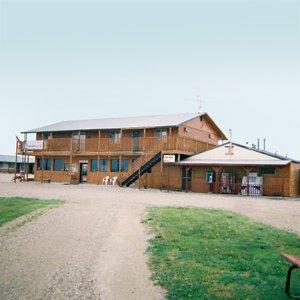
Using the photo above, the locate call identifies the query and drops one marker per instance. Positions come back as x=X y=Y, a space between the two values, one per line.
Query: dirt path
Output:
x=93 y=246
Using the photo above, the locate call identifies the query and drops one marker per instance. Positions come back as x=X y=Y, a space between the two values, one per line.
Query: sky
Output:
x=66 y=60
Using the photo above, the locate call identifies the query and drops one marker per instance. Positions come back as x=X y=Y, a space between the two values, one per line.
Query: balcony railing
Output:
x=125 y=144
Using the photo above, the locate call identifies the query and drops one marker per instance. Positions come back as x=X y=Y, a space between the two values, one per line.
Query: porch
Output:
x=123 y=144
x=246 y=181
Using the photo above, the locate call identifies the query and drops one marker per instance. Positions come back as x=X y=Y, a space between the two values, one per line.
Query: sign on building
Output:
x=34 y=145
x=169 y=158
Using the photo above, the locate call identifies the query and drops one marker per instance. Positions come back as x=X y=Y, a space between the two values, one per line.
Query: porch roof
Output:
x=219 y=162
x=235 y=155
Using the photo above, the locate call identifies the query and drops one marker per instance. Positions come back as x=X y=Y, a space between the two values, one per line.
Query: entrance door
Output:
x=136 y=135
x=83 y=172
x=186 y=178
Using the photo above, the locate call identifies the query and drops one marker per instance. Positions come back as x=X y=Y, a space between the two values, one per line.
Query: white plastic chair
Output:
x=105 y=180
x=113 y=180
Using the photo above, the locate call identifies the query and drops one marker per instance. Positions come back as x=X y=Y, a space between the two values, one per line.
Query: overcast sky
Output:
x=79 y=60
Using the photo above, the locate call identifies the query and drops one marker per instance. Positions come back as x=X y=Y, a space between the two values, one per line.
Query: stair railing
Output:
x=138 y=163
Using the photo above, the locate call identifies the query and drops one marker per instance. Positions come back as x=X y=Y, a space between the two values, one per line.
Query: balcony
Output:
x=125 y=144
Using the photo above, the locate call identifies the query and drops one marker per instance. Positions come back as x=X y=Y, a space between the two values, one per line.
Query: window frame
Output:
x=46 y=161
x=96 y=169
x=54 y=164
x=158 y=132
x=115 y=136
x=116 y=170
x=101 y=165
x=122 y=167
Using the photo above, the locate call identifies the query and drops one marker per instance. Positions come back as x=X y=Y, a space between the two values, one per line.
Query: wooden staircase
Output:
x=140 y=167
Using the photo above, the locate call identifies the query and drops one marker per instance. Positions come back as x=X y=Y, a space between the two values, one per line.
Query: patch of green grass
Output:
x=14 y=207
x=213 y=254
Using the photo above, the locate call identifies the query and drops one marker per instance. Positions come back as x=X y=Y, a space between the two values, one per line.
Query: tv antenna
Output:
x=200 y=104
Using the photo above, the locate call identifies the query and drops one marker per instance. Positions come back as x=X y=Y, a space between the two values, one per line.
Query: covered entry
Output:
x=235 y=169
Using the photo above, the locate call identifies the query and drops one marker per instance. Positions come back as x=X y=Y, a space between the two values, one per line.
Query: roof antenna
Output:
x=230 y=141
x=200 y=102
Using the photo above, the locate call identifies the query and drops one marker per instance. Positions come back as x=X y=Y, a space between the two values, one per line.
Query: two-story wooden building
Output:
x=128 y=148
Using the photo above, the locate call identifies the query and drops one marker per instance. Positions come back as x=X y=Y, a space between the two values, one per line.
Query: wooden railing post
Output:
x=144 y=146
x=139 y=183
x=282 y=182
x=43 y=163
x=99 y=136
x=121 y=140
x=16 y=160
x=98 y=169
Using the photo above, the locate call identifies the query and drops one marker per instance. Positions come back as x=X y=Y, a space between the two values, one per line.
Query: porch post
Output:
x=70 y=160
x=139 y=182
x=248 y=170
x=146 y=177
x=217 y=183
x=98 y=171
x=27 y=165
x=79 y=141
x=282 y=182
x=16 y=160
x=186 y=179
x=161 y=171
x=99 y=136
x=168 y=187
x=169 y=138
x=144 y=140
x=121 y=139
x=120 y=163
x=42 y=169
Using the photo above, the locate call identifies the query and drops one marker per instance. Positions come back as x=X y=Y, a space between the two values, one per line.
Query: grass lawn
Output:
x=212 y=254
x=14 y=207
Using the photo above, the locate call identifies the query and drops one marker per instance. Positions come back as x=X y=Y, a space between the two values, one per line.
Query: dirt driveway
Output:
x=93 y=246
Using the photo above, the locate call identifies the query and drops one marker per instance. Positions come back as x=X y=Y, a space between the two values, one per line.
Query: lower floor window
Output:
x=47 y=164
x=114 y=165
x=103 y=167
x=66 y=167
x=58 y=164
x=39 y=164
x=124 y=165
x=94 y=165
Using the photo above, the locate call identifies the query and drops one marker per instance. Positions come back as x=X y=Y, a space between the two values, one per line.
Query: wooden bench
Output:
x=295 y=261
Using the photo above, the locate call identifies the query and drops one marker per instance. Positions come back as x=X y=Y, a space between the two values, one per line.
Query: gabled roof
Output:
x=11 y=159
x=121 y=123
x=241 y=156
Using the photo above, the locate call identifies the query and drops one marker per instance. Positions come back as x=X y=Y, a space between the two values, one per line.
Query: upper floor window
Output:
x=76 y=135
x=160 y=133
x=47 y=135
x=115 y=136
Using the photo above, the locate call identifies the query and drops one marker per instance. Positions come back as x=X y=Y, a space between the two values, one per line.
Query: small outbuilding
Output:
x=7 y=164
x=232 y=168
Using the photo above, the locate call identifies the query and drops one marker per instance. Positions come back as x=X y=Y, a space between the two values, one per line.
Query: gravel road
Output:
x=93 y=246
